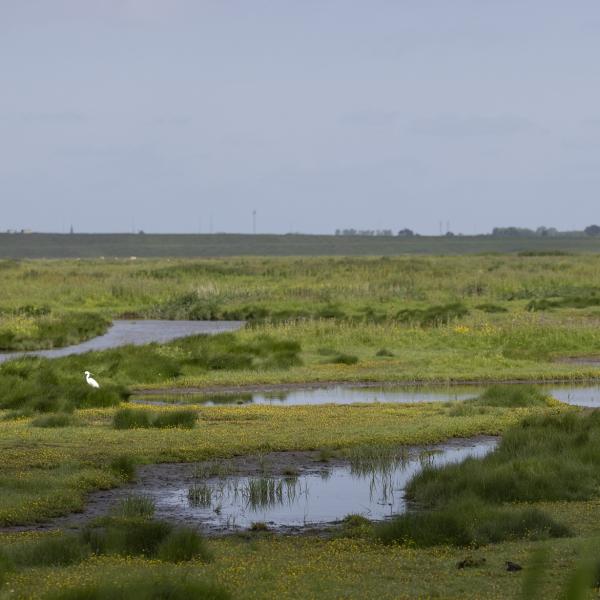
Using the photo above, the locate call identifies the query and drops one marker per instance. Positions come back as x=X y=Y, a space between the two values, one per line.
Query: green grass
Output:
x=132 y=418
x=469 y=522
x=135 y=506
x=30 y=328
x=182 y=545
x=54 y=420
x=49 y=551
x=514 y=396
x=147 y=588
x=39 y=385
x=549 y=458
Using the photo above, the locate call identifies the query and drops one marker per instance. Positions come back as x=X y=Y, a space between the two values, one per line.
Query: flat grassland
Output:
x=124 y=245
x=406 y=318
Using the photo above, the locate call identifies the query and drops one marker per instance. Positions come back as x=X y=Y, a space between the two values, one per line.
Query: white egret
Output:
x=90 y=380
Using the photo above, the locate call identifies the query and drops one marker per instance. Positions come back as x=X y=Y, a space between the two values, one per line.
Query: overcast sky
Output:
x=318 y=114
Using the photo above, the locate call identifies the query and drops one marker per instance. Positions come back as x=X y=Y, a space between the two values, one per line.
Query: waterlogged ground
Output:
x=136 y=332
x=286 y=490
x=578 y=395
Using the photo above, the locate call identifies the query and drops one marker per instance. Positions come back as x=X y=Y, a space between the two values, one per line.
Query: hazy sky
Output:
x=319 y=114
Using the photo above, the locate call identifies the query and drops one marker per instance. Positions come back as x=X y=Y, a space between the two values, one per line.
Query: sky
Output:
x=188 y=115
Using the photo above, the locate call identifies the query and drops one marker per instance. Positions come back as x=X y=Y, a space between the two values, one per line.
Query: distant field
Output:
x=48 y=245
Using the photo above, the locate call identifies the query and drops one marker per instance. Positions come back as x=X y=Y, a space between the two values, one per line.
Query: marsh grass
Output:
x=48 y=551
x=126 y=536
x=355 y=525
x=132 y=418
x=552 y=458
x=489 y=307
x=545 y=458
x=135 y=506
x=384 y=352
x=469 y=522
x=136 y=418
x=263 y=492
x=32 y=328
x=433 y=315
x=34 y=384
x=183 y=544
x=124 y=467
x=343 y=359
x=213 y=468
x=185 y=419
x=55 y=420
x=381 y=459
x=147 y=588
x=200 y=495
x=512 y=396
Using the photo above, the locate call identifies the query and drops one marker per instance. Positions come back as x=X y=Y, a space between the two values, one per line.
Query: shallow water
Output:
x=318 y=494
x=137 y=332
x=580 y=395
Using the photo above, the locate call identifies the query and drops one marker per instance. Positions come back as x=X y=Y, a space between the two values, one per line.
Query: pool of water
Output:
x=317 y=493
x=576 y=394
x=137 y=332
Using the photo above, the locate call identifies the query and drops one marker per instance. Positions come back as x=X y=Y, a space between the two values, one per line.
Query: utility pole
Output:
x=254 y=221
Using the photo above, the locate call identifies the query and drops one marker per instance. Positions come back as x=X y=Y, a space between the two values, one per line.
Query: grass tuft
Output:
x=135 y=506
x=183 y=544
x=135 y=418
x=469 y=522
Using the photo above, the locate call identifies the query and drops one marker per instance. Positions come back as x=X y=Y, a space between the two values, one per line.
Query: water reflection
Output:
x=369 y=481
x=576 y=394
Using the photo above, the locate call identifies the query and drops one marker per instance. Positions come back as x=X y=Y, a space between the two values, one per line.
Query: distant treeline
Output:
x=512 y=232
